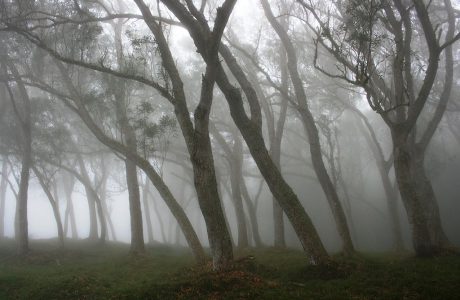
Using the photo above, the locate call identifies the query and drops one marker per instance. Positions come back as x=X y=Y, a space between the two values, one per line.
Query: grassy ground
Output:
x=85 y=271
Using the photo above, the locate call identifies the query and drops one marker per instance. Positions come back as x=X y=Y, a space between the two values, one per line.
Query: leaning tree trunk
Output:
x=252 y=134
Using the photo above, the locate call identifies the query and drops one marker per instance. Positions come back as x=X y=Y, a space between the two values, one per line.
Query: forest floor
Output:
x=86 y=271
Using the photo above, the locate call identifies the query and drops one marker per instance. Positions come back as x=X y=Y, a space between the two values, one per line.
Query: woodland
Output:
x=224 y=149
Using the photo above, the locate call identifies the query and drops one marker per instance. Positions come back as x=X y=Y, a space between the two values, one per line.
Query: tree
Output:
x=367 y=29
x=22 y=111
x=197 y=25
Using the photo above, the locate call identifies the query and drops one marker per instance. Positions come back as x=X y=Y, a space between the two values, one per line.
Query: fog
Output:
x=290 y=120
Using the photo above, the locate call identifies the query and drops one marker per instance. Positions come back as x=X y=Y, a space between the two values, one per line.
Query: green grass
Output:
x=87 y=271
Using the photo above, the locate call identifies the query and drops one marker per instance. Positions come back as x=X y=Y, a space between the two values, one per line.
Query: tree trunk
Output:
x=252 y=134
x=54 y=205
x=429 y=202
x=3 y=186
x=423 y=245
x=383 y=167
x=312 y=132
x=428 y=237
x=148 y=218
x=236 y=165
x=209 y=201
x=252 y=213
x=100 y=212
x=278 y=220
x=197 y=137
x=69 y=183
x=160 y=220
x=24 y=122
x=93 y=232
x=108 y=218
x=288 y=200
x=137 y=234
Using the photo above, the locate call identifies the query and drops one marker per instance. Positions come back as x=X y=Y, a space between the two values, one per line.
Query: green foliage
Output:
x=153 y=135
x=88 y=271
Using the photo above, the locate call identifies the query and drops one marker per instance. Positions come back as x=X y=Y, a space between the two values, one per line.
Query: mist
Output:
x=228 y=133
